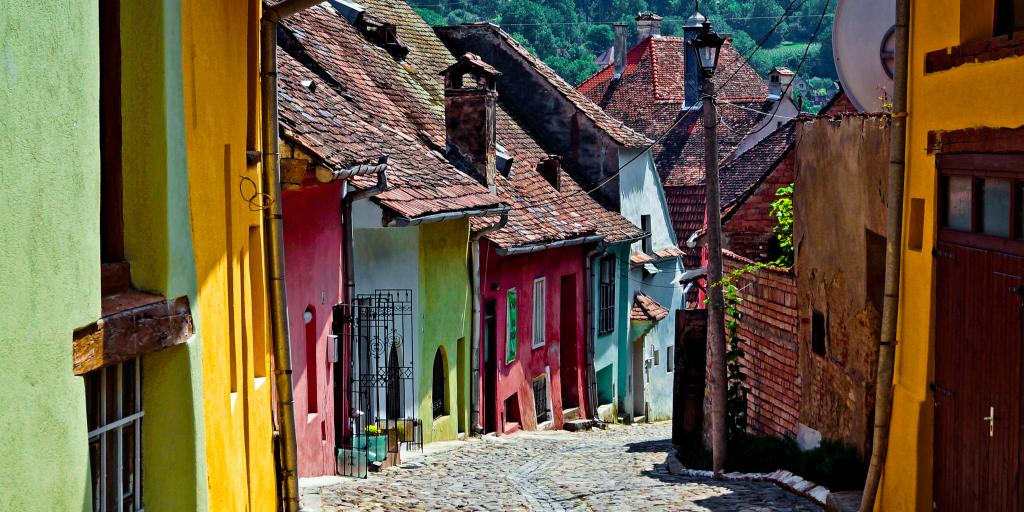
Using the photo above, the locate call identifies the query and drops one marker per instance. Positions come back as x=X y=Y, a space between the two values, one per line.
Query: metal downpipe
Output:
x=273 y=232
x=591 y=327
x=893 y=246
x=474 y=342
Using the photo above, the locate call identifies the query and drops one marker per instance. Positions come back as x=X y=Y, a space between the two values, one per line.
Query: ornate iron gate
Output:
x=378 y=400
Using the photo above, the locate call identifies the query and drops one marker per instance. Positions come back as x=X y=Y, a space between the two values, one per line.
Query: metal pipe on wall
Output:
x=591 y=326
x=474 y=342
x=893 y=246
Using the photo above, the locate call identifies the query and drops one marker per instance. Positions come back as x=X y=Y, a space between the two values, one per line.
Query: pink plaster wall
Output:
x=498 y=275
x=313 y=270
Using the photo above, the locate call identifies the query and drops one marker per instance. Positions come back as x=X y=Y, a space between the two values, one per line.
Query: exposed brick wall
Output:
x=747 y=231
x=771 y=359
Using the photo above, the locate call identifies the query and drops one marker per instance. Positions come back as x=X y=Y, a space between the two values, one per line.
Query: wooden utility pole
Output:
x=716 y=312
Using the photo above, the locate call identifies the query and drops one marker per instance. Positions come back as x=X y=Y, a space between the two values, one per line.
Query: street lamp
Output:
x=707 y=45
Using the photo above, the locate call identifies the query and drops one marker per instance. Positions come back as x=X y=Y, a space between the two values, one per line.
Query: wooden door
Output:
x=490 y=368
x=638 y=378
x=978 y=335
x=568 y=369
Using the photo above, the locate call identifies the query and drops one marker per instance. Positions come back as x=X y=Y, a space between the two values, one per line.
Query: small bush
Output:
x=834 y=465
x=762 y=454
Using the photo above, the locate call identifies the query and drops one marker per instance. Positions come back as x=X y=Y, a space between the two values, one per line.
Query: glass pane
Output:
x=94 y=463
x=995 y=207
x=128 y=387
x=958 y=202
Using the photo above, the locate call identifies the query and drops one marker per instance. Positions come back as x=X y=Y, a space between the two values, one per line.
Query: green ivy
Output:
x=782 y=210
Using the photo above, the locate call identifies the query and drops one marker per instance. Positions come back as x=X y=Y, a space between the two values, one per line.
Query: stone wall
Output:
x=839 y=228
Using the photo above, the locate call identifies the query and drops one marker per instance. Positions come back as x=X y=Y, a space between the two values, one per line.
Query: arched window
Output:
x=439 y=399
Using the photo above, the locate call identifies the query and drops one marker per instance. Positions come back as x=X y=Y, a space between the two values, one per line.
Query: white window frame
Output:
x=539 y=318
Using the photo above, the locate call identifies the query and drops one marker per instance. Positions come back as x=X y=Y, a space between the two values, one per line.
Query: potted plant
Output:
x=376 y=443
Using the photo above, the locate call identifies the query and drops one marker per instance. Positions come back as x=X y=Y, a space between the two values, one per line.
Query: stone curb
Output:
x=781 y=478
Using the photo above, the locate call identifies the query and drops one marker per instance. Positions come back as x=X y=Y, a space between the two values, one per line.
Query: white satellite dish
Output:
x=863 y=50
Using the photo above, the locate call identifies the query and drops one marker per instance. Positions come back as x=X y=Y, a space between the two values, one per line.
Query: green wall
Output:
x=158 y=245
x=611 y=351
x=49 y=246
x=444 y=317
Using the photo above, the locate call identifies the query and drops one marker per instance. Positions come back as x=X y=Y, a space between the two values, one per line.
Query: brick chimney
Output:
x=619 y=50
x=550 y=168
x=692 y=76
x=648 y=24
x=470 y=98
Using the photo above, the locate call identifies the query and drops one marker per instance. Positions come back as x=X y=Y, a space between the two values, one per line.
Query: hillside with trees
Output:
x=569 y=34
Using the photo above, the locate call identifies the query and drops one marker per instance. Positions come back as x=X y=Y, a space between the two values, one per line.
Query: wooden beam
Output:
x=124 y=335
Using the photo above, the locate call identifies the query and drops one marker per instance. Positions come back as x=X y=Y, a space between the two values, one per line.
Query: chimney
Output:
x=619 y=50
x=779 y=80
x=648 y=24
x=550 y=169
x=469 y=115
x=693 y=79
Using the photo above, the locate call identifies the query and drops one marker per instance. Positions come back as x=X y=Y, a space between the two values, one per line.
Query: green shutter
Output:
x=511 y=327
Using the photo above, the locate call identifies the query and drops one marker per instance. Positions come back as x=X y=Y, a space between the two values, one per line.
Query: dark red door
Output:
x=568 y=368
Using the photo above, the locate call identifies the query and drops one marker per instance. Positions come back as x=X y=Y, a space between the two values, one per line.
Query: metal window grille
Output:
x=540 y=399
x=539 y=296
x=114 y=415
x=606 y=296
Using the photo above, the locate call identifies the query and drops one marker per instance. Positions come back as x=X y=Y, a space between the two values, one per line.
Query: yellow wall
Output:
x=971 y=95
x=218 y=39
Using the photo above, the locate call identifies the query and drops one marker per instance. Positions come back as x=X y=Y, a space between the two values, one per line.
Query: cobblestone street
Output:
x=622 y=468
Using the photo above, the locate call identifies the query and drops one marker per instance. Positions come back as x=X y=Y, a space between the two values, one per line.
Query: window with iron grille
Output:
x=114 y=414
x=606 y=296
x=540 y=398
x=539 y=312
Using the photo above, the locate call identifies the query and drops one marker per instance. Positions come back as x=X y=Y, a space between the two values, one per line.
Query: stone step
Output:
x=845 y=501
x=571 y=414
x=578 y=425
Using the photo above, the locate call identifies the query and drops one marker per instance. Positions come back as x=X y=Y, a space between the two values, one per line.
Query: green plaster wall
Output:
x=49 y=246
x=444 y=318
x=158 y=245
x=611 y=351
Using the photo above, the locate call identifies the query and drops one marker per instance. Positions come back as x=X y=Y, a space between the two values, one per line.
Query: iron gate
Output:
x=378 y=396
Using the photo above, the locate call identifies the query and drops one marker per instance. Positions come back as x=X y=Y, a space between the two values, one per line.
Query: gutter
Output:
x=474 y=349
x=893 y=246
x=527 y=249
x=328 y=175
x=273 y=232
x=400 y=222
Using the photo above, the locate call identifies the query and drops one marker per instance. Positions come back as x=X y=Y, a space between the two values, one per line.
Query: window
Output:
x=1009 y=17
x=111 y=180
x=657 y=356
x=979 y=197
x=540 y=398
x=113 y=398
x=439 y=402
x=645 y=224
x=606 y=296
x=539 y=312
x=818 y=332
x=312 y=379
x=511 y=327
x=670 y=363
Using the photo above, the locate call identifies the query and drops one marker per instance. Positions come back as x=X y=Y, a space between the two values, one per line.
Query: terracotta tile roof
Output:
x=646 y=309
x=366 y=104
x=615 y=128
x=740 y=174
x=649 y=97
x=540 y=213
x=641 y=258
x=357 y=104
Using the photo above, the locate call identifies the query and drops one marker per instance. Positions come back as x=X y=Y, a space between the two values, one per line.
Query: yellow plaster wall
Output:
x=972 y=95
x=218 y=80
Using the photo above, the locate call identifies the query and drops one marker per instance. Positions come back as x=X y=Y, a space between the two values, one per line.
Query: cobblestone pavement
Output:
x=622 y=468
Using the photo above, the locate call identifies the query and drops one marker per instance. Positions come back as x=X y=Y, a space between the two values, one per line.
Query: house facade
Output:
x=614 y=165
x=958 y=358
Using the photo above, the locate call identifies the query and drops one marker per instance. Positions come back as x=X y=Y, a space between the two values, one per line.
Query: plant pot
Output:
x=376 y=446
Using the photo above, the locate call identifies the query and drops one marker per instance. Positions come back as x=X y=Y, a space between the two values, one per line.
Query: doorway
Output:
x=639 y=400
x=490 y=368
x=568 y=368
x=978 y=335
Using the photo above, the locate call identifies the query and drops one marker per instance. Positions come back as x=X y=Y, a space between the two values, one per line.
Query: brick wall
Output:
x=771 y=359
x=747 y=231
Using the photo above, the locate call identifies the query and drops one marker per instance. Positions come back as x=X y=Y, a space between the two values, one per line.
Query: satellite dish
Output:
x=864 y=50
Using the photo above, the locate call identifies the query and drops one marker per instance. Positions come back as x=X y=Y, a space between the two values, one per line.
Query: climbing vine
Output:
x=782 y=210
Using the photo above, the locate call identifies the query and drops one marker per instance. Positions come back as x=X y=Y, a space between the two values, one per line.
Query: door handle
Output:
x=991 y=419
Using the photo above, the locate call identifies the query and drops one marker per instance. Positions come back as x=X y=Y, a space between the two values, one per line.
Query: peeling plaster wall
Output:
x=49 y=246
x=838 y=203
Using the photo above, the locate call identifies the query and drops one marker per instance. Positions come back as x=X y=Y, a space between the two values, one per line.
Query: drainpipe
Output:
x=273 y=232
x=893 y=245
x=591 y=327
x=346 y=220
x=474 y=343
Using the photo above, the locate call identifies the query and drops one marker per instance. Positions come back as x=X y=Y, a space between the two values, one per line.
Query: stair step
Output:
x=571 y=414
x=578 y=425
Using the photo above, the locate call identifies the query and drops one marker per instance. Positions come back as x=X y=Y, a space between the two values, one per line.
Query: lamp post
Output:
x=707 y=45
